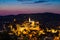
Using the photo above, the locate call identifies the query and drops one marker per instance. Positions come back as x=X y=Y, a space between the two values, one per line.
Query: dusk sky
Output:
x=13 y=7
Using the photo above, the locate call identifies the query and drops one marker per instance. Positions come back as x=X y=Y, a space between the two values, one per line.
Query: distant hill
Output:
x=46 y=18
x=43 y=17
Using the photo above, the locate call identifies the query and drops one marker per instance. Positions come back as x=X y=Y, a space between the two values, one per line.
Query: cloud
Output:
x=24 y=0
x=34 y=1
x=40 y=1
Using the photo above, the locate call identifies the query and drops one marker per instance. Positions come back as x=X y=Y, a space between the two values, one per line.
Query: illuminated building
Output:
x=30 y=29
x=26 y=27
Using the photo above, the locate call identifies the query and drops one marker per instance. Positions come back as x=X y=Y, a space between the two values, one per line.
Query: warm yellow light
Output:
x=30 y=35
x=53 y=30
x=25 y=32
x=56 y=38
x=26 y=27
x=41 y=32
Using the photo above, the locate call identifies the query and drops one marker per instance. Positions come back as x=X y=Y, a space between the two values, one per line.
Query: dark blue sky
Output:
x=28 y=6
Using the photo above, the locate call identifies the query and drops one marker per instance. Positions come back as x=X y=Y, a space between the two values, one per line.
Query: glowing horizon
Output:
x=8 y=7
